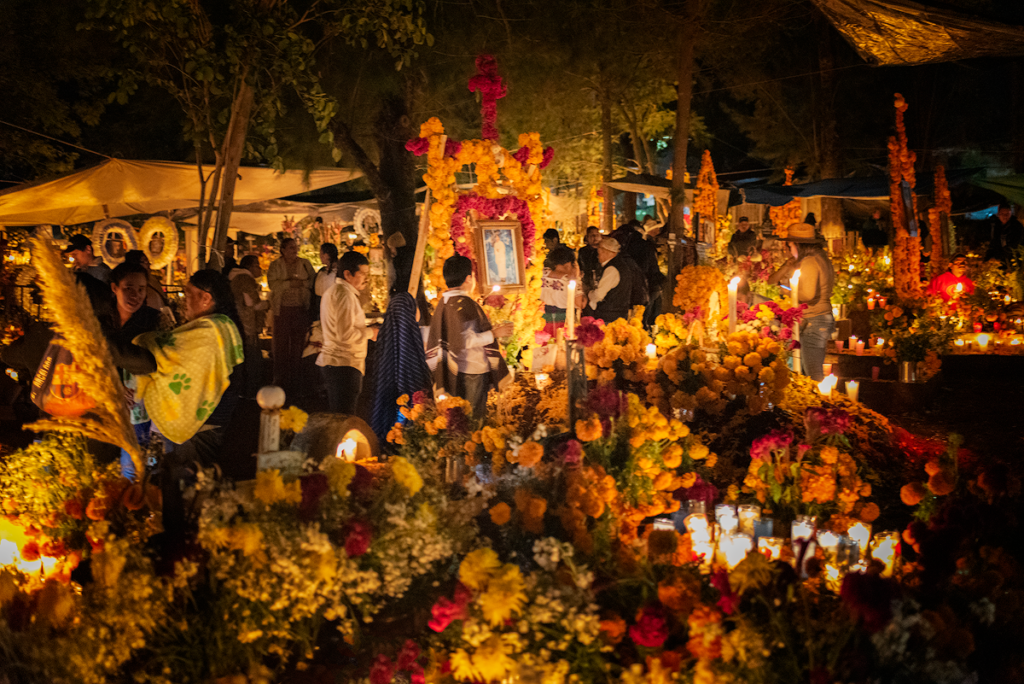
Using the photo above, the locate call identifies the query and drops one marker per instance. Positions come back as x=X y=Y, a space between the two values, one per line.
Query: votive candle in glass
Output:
x=725 y=515
x=826 y=369
x=733 y=548
x=883 y=549
x=860 y=533
x=853 y=343
x=839 y=346
x=748 y=515
x=771 y=547
x=853 y=390
x=860 y=347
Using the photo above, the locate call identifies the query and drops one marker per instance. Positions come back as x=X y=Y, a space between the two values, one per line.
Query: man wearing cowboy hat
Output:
x=620 y=284
x=815 y=291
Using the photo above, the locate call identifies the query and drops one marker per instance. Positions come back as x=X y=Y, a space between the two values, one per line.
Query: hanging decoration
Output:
x=705 y=201
x=786 y=215
x=112 y=239
x=907 y=254
x=158 y=238
x=507 y=185
x=943 y=205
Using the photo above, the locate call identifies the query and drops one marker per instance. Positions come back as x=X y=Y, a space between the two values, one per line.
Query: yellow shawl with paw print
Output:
x=193 y=369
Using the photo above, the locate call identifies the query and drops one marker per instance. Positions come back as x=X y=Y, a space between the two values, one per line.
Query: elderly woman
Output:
x=815 y=290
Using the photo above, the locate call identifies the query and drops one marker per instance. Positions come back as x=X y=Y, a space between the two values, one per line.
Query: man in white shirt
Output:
x=342 y=360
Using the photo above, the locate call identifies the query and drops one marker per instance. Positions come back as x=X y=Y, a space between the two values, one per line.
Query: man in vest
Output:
x=619 y=282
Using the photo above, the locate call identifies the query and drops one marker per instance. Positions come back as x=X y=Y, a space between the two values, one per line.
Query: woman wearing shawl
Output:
x=401 y=362
x=190 y=380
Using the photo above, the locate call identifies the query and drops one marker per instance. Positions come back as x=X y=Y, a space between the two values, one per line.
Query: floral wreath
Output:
x=102 y=230
x=153 y=226
x=360 y=217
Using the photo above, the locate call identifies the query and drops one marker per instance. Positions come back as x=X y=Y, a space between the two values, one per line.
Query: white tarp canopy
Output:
x=120 y=187
x=267 y=218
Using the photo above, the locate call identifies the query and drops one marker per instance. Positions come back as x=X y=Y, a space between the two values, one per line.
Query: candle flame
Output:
x=734 y=283
x=347 y=449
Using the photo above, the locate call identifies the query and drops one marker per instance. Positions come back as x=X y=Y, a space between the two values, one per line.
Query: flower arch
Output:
x=507 y=185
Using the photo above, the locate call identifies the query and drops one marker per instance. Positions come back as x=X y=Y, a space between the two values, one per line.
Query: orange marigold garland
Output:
x=705 y=201
x=943 y=204
x=907 y=254
x=786 y=215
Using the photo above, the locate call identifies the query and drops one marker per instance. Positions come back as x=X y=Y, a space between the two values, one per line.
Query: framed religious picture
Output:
x=500 y=259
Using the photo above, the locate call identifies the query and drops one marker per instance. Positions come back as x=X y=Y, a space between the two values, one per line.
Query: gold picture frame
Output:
x=501 y=259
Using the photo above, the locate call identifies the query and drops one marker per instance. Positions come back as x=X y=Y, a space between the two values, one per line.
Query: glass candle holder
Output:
x=763 y=527
x=748 y=515
x=883 y=549
x=771 y=547
x=725 y=515
x=860 y=533
x=733 y=548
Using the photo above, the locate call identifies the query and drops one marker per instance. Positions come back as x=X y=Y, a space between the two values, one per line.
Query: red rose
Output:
x=446 y=611
x=650 y=630
x=383 y=670
x=357 y=541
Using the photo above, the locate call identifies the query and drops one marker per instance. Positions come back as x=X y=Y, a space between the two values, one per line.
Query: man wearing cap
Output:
x=744 y=241
x=619 y=283
x=84 y=261
x=815 y=290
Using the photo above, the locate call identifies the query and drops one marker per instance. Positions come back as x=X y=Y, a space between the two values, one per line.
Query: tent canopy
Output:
x=119 y=187
x=646 y=184
x=1010 y=187
x=266 y=218
x=875 y=188
x=900 y=32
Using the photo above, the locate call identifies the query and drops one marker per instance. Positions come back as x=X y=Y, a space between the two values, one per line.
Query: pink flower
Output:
x=571 y=452
x=452 y=147
x=418 y=146
x=446 y=611
x=776 y=440
x=827 y=421
x=496 y=300
x=650 y=630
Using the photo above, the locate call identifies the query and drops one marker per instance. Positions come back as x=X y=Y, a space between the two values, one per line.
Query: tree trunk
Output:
x=681 y=251
x=392 y=129
x=827 y=147
x=234 y=145
x=608 y=218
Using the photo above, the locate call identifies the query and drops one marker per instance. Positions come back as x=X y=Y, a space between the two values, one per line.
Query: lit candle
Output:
x=881 y=302
x=983 y=341
x=880 y=341
x=700 y=537
x=542 y=380
x=860 y=347
x=748 y=515
x=771 y=547
x=734 y=285
x=860 y=533
x=825 y=388
x=884 y=549
x=839 y=346
x=570 y=312
x=826 y=368
x=733 y=548
x=725 y=514
x=652 y=351
x=853 y=343
x=496 y=289
x=829 y=542
x=871 y=303
x=347 y=450
x=959 y=342
x=853 y=390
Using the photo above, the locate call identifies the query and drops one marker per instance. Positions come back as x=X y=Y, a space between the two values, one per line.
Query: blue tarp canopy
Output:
x=875 y=188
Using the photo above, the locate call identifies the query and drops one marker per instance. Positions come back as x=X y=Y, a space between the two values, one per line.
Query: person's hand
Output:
x=374 y=331
x=503 y=330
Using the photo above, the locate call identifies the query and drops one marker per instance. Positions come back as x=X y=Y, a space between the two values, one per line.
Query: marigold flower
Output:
x=912 y=494
x=477 y=566
x=870 y=512
x=530 y=454
x=405 y=474
x=613 y=628
x=941 y=483
x=500 y=513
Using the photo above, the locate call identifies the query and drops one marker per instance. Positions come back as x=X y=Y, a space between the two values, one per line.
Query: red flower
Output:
x=357 y=541
x=589 y=333
x=650 y=630
x=418 y=146
x=383 y=670
x=30 y=551
x=729 y=600
x=314 y=486
x=54 y=548
x=445 y=611
x=73 y=509
x=571 y=452
x=869 y=598
x=408 y=656
x=496 y=300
